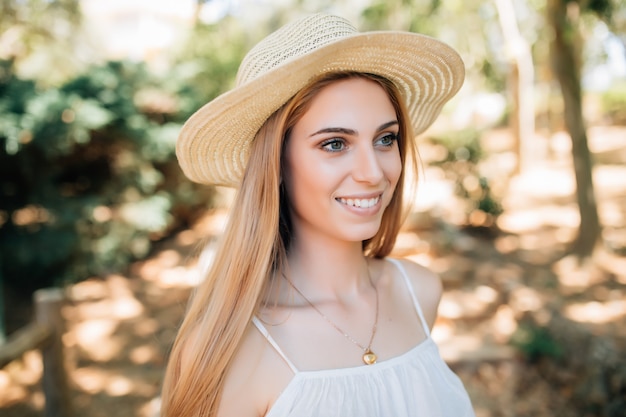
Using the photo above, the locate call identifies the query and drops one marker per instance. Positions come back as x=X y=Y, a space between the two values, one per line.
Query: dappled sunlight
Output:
x=94 y=380
x=212 y=223
x=609 y=180
x=127 y=307
x=443 y=329
x=521 y=221
x=613 y=214
x=94 y=309
x=124 y=304
x=597 y=312
x=119 y=385
x=186 y=237
x=122 y=308
x=424 y=259
x=109 y=298
x=507 y=243
x=467 y=303
x=91 y=289
x=31 y=215
x=18 y=378
x=542 y=183
x=485 y=294
x=168 y=258
x=457 y=347
x=411 y=244
x=144 y=354
x=146 y=326
x=546 y=239
x=168 y=277
x=433 y=193
x=11 y=391
x=29 y=369
x=504 y=324
x=114 y=348
x=524 y=299
x=613 y=264
x=574 y=277
x=180 y=276
x=165 y=270
x=150 y=409
x=96 y=339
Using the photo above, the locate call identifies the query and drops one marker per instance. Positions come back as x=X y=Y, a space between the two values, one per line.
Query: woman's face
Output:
x=343 y=162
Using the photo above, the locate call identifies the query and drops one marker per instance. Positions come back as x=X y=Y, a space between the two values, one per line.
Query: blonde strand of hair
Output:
x=223 y=305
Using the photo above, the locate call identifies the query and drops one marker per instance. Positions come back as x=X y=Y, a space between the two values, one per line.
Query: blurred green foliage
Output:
x=460 y=161
x=536 y=342
x=614 y=103
x=205 y=63
x=88 y=175
x=44 y=35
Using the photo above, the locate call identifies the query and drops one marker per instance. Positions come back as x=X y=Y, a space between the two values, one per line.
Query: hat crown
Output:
x=291 y=42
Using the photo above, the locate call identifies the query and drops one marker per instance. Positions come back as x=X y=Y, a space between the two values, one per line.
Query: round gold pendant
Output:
x=369 y=357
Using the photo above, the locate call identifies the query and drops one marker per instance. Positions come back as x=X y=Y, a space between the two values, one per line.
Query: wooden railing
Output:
x=46 y=334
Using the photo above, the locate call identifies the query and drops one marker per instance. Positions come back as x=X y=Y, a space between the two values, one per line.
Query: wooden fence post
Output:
x=48 y=303
x=3 y=332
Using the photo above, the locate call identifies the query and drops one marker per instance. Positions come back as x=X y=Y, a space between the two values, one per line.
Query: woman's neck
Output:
x=326 y=270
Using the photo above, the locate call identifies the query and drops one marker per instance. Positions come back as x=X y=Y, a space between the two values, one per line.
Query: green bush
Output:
x=614 y=103
x=460 y=161
x=536 y=342
x=88 y=175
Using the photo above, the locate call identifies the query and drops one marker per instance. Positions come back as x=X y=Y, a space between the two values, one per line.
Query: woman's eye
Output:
x=388 y=139
x=333 y=145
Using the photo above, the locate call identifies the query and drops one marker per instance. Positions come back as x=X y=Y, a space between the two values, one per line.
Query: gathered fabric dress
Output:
x=417 y=383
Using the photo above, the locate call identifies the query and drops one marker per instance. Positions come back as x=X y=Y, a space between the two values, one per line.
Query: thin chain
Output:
x=346 y=335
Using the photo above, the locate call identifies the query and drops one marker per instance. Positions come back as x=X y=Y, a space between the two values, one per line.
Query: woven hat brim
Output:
x=213 y=145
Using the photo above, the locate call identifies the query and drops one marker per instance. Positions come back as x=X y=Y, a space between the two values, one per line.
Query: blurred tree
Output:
x=416 y=16
x=521 y=85
x=563 y=16
x=470 y=26
x=204 y=66
x=3 y=332
x=42 y=37
x=611 y=12
x=197 y=11
x=88 y=177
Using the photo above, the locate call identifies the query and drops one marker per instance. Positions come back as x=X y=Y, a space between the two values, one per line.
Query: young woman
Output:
x=301 y=312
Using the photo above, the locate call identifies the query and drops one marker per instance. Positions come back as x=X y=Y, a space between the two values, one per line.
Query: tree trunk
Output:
x=3 y=332
x=197 y=11
x=521 y=85
x=566 y=66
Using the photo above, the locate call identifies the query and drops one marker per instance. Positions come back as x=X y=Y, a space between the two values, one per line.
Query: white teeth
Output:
x=360 y=202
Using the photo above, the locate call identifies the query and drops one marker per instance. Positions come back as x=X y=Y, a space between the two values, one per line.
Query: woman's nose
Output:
x=367 y=165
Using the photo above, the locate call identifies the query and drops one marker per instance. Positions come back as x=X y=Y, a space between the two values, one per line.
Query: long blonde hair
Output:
x=252 y=251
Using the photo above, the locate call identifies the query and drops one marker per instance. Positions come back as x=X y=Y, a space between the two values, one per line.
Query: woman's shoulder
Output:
x=421 y=277
x=426 y=284
x=256 y=373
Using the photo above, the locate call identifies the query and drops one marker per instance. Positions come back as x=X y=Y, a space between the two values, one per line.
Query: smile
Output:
x=359 y=202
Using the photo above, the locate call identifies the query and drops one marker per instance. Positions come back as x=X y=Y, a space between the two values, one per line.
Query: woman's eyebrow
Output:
x=347 y=131
x=387 y=125
x=343 y=130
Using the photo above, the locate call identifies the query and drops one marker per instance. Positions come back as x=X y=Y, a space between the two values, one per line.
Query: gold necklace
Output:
x=369 y=357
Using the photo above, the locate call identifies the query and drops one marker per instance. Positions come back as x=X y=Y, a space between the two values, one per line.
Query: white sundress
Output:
x=417 y=383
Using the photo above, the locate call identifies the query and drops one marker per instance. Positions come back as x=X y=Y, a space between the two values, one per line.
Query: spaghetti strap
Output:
x=272 y=342
x=398 y=264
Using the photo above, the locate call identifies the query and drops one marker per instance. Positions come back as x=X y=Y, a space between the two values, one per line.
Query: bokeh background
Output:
x=520 y=207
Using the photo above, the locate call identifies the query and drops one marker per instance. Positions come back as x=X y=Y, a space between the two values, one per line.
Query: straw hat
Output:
x=214 y=143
